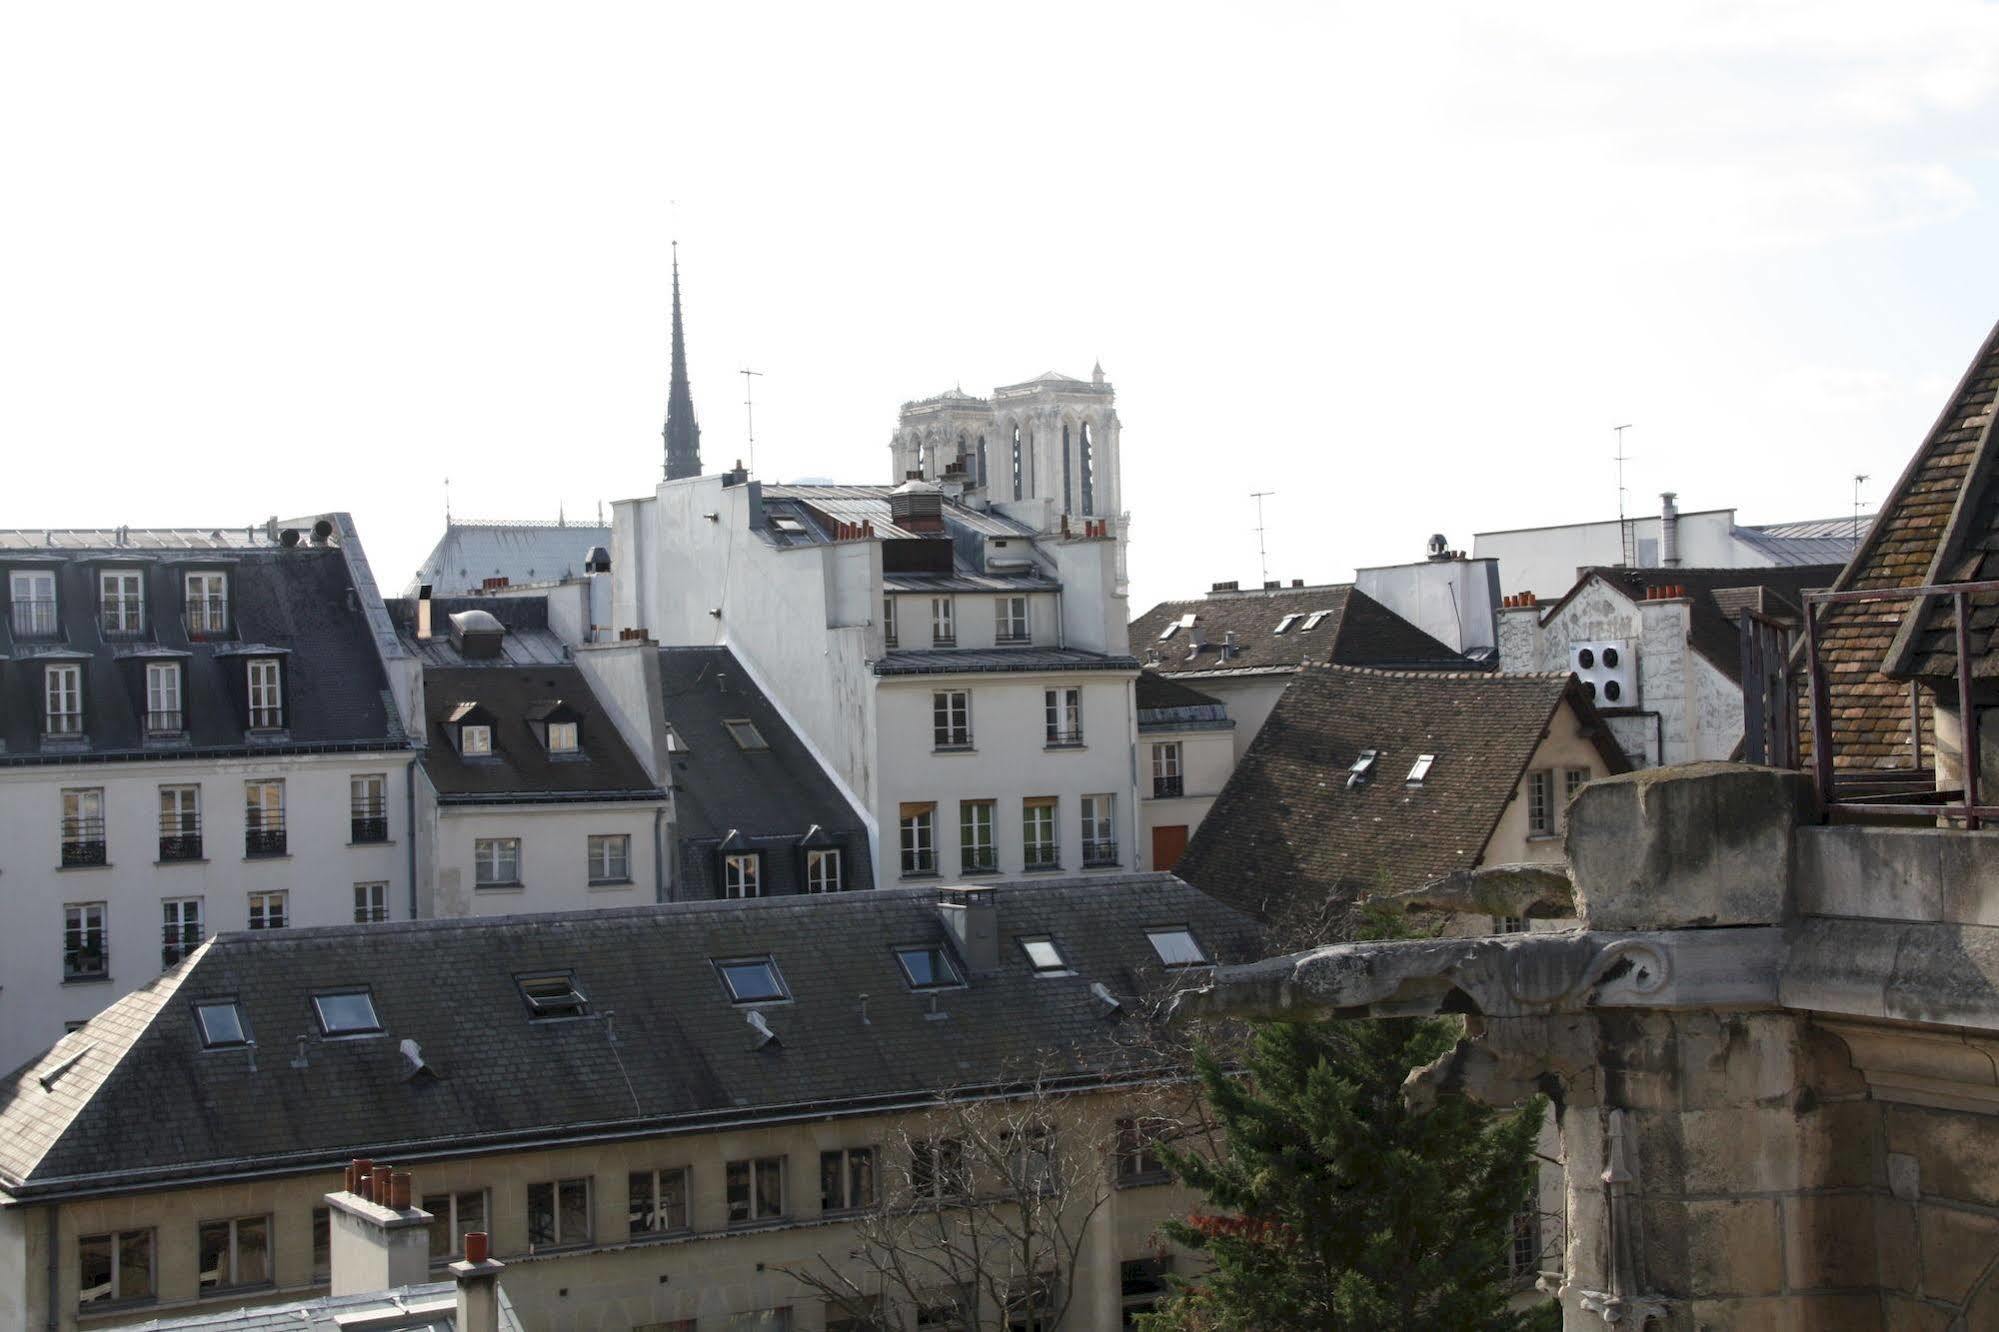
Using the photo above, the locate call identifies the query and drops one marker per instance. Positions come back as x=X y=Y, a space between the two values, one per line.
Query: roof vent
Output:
x=477 y=634
x=413 y=1059
x=765 y=1036
x=917 y=506
x=597 y=560
x=322 y=532
x=1439 y=546
x=288 y=538
x=1110 y=1002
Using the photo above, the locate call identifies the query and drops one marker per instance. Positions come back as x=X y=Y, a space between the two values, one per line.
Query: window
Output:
x=951 y=718
x=1143 y=1283
x=371 y=903
x=558 y=1214
x=1573 y=780
x=264 y=818
x=752 y=980
x=1523 y=1256
x=84 y=955
x=888 y=621
x=822 y=871
x=32 y=593
x=1177 y=947
x=847 y=1179
x=1030 y=1158
x=1019 y=476
x=1138 y=1160
x=270 y=910
x=235 y=1253
x=658 y=1201
x=927 y=968
x=855 y=1313
x=62 y=699
x=121 y=602
x=1421 y=769
x=180 y=929
x=1361 y=768
x=742 y=875
x=1509 y=924
x=553 y=995
x=1099 y=831
x=368 y=807
x=163 y=712
x=562 y=737
x=346 y=1013
x=937 y=1168
x=1011 y=613
x=1174 y=626
x=1166 y=779
x=114 y=1267
x=1285 y=624
x=322 y=1243
x=82 y=826
x=1540 y=804
x=475 y=741
x=744 y=732
x=756 y=1189
x=496 y=862
x=1043 y=955
x=756 y=1320
x=221 y=1024
x=267 y=711
x=610 y=858
x=1313 y=621
x=207 y=605
x=919 y=844
x=943 y=622
x=180 y=823
x=1063 y=709
x=1039 y=850
x=975 y=837
x=453 y=1216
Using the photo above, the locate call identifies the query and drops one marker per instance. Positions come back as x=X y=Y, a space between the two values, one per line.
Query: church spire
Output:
x=682 y=433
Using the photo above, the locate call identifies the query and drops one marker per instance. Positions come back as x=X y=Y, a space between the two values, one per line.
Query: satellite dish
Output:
x=1438 y=546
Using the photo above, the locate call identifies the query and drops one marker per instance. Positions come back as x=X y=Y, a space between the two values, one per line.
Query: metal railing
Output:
x=84 y=955
x=370 y=821
x=164 y=722
x=1098 y=854
x=82 y=842
x=177 y=941
x=1005 y=636
x=264 y=836
x=206 y=617
x=1042 y=857
x=35 y=617
x=267 y=719
x=978 y=860
x=1065 y=737
x=180 y=837
x=122 y=617
x=62 y=723
x=1164 y=788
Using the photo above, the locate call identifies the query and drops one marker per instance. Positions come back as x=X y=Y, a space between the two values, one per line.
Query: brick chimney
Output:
x=478 y=1277
x=378 y=1241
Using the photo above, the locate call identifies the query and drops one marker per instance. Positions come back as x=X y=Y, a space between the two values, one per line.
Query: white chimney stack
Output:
x=478 y=1277
x=973 y=922
x=377 y=1240
x=1669 y=530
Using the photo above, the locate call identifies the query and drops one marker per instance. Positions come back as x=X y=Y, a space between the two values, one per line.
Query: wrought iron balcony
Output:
x=1042 y=858
x=180 y=837
x=1006 y=637
x=1065 y=737
x=370 y=821
x=165 y=723
x=84 y=956
x=82 y=842
x=978 y=860
x=122 y=618
x=265 y=836
x=267 y=719
x=176 y=942
x=1164 y=788
x=35 y=617
x=1099 y=855
x=206 y=618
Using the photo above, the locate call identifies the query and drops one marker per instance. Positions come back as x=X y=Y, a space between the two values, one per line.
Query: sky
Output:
x=1404 y=266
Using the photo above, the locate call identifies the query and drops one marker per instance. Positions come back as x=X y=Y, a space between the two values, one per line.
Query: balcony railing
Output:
x=1012 y=636
x=267 y=719
x=1065 y=737
x=265 y=836
x=180 y=837
x=370 y=821
x=82 y=842
x=176 y=942
x=1098 y=854
x=62 y=723
x=84 y=956
x=206 y=617
x=35 y=617
x=1166 y=788
x=1042 y=858
x=163 y=723
x=978 y=860
x=121 y=619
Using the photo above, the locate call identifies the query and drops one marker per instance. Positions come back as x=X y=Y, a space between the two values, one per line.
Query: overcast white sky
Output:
x=1404 y=265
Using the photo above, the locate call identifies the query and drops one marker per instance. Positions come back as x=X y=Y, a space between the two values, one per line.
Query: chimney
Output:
x=478 y=1277
x=973 y=922
x=423 y=614
x=378 y=1240
x=1669 y=530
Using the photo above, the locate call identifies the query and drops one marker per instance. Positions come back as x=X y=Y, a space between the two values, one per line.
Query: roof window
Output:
x=786 y=524
x=1362 y=768
x=553 y=994
x=346 y=1013
x=221 y=1023
x=1175 y=626
x=1042 y=954
x=927 y=968
x=745 y=733
x=1177 y=947
x=1288 y=621
x=674 y=744
x=1313 y=620
x=1422 y=769
x=752 y=980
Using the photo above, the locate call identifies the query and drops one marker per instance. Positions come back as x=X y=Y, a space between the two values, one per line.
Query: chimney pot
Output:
x=477 y=1246
x=399 y=1190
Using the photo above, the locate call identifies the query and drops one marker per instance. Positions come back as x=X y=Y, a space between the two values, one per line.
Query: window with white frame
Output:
x=270 y=910
x=453 y=1216
x=1138 y=1159
x=951 y=719
x=1541 y=804
x=163 y=710
x=1040 y=850
x=822 y=871
x=180 y=929
x=562 y=737
x=371 y=903
x=267 y=711
x=207 y=604
x=755 y=1189
x=85 y=955
x=114 y=1267
x=610 y=857
x=368 y=807
x=1509 y=924
x=847 y=1179
x=742 y=875
x=235 y=1253
x=62 y=699
x=82 y=826
x=976 y=852
x=658 y=1203
x=937 y=1168
x=943 y=622
x=264 y=818
x=1573 y=780
x=1099 y=830
x=918 y=829
x=475 y=741
x=1062 y=709
x=180 y=823
x=558 y=1213
x=496 y=862
x=1166 y=779
x=1011 y=614
x=122 y=602
x=888 y=621
x=32 y=597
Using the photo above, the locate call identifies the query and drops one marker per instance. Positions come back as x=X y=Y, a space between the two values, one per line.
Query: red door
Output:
x=1167 y=844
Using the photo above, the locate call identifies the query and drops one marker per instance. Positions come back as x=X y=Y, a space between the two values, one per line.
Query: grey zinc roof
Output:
x=855 y=504
x=951 y=661
x=133 y=1100
x=431 y=1307
x=528 y=641
x=520 y=766
x=521 y=552
x=251 y=537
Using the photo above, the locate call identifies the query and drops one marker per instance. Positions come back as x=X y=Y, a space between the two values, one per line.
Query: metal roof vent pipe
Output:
x=971 y=918
x=1669 y=530
x=322 y=532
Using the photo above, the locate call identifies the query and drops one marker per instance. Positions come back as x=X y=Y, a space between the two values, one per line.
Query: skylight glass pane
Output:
x=752 y=982
x=1312 y=620
x=553 y=996
x=1042 y=953
x=926 y=968
x=1286 y=623
x=345 y=1014
x=221 y=1024
x=1177 y=948
x=1422 y=768
x=746 y=735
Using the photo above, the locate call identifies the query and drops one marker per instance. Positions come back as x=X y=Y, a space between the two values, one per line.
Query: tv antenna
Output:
x=749 y=414
x=1859 y=479
x=1262 y=557
x=1626 y=555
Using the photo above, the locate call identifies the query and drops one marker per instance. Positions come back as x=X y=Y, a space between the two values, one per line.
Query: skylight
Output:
x=927 y=968
x=745 y=733
x=1312 y=621
x=221 y=1024
x=349 y=1013
x=752 y=980
x=1362 y=768
x=1288 y=621
x=553 y=995
x=1177 y=947
x=1175 y=626
x=1042 y=954
x=1422 y=769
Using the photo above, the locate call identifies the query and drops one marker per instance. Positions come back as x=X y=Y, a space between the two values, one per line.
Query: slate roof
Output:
x=252 y=537
x=1717 y=596
x=1287 y=835
x=132 y=1100
x=1822 y=541
x=430 y=1307
x=1358 y=631
x=297 y=605
x=1155 y=691
x=828 y=504
x=1929 y=531
x=770 y=798
x=521 y=552
x=528 y=642
x=521 y=768
x=951 y=661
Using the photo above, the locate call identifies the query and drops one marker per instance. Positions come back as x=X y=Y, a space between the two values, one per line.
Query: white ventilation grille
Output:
x=1608 y=671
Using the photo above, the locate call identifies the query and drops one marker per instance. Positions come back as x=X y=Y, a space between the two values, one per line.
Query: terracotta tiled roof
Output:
x=1355 y=630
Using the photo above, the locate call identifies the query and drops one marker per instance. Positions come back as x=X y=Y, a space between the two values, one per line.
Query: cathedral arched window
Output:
x=922 y=458
x=1068 y=502
x=1089 y=471
x=1017 y=492
x=982 y=462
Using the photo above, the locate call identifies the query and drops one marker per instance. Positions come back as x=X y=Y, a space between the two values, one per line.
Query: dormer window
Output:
x=562 y=737
x=475 y=741
x=555 y=724
x=267 y=711
x=163 y=711
x=32 y=597
x=472 y=726
x=207 y=604
x=121 y=603
x=62 y=699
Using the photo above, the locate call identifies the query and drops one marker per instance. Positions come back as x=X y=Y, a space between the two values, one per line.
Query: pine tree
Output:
x=1334 y=1205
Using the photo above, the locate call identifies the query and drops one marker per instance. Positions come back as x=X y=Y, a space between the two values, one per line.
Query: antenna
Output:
x=447 y=501
x=1626 y=555
x=749 y=414
x=1859 y=479
x=1262 y=556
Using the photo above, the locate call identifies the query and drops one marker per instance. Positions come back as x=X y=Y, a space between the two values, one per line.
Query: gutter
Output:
x=658 y=856
x=551 y=797
x=409 y=824
x=291 y=750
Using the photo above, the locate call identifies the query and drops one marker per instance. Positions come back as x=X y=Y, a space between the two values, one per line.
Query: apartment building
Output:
x=1186 y=743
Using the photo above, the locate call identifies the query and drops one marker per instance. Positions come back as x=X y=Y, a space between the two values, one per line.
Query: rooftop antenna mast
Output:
x=1626 y=555
x=1859 y=479
x=1262 y=556
x=447 y=501
x=749 y=414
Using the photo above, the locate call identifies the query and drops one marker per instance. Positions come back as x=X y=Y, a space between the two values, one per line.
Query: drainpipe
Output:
x=55 y=1269
x=658 y=855
x=409 y=824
